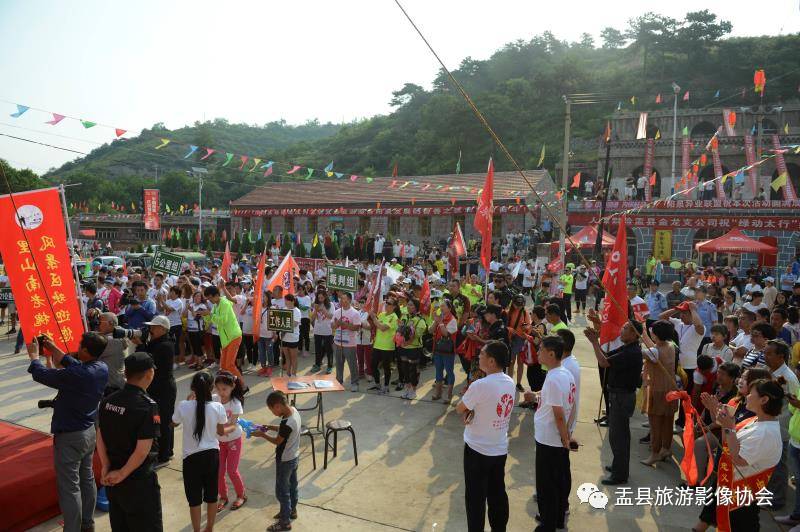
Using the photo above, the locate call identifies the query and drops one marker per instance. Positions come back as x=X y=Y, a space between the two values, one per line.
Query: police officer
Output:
x=163 y=388
x=127 y=442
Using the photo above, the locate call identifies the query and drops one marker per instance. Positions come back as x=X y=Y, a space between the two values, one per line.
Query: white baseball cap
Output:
x=161 y=321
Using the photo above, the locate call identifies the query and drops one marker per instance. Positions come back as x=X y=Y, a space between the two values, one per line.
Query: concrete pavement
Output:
x=410 y=474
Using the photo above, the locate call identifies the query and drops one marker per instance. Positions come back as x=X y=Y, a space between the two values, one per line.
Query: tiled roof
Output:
x=335 y=192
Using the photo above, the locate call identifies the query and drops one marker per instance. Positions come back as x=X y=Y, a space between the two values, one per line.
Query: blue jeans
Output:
x=286 y=487
x=265 y=354
x=442 y=363
x=20 y=341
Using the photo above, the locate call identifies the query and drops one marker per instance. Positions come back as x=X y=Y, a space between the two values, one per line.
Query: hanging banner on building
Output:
x=594 y=205
x=378 y=211
x=750 y=158
x=662 y=244
x=150 y=210
x=685 y=161
x=789 y=193
x=649 y=154
x=38 y=265
x=341 y=278
x=767 y=223
x=720 y=187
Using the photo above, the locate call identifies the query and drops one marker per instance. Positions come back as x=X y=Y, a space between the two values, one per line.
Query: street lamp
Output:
x=675 y=89
x=199 y=172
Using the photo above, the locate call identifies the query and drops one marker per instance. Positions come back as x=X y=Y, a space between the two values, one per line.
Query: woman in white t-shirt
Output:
x=364 y=347
x=754 y=446
x=172 y=307
x=290 y=340
x=203 y=420
x=231 y=395
x=322 y=315
x=303 y=303
x=266 y=354
x=195 y=328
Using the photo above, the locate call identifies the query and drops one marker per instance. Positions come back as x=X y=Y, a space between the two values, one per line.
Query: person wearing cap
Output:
x=656 y=302
x=567 y=280
x=127 y=444
x=770 y=292
x=163 y=389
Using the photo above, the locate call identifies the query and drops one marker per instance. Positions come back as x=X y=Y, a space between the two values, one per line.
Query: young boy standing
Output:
x=286 y=458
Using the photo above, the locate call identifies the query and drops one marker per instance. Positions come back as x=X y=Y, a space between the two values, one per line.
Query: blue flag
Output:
x=192 y=149
x=716 y=94
x=329 y=168
x=20 y=110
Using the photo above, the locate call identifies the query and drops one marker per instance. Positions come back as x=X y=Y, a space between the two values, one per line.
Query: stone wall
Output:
x=379 y=224
x=441 y=227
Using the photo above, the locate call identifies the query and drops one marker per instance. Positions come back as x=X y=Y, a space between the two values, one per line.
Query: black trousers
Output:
x=323 y=346
x=742 y=520
x=553 y=484
x=484 y=485
x=604 y=386
x=250 y=351
x=305 y=339
x=135 y=505
x=567 y=306
x=681 y=421
x=536 y=376
x=381 y=357
x=164 y=395
x=623 y=404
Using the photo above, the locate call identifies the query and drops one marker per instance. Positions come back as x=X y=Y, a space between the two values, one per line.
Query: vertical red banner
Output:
x=150 y=211
x=685 y=149
x=750 y=158
x=649 y=155
x=789 y=193
x=38 y=265
x=718 y=174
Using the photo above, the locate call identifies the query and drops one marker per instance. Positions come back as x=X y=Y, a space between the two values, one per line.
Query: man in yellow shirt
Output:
x=567 y=281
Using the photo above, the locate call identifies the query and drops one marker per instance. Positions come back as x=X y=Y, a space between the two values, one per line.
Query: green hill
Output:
x=519 y=89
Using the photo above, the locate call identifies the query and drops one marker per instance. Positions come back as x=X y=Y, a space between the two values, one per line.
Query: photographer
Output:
x=115 y=351
x=80 y=387
x=163 y=389
x=139 y=308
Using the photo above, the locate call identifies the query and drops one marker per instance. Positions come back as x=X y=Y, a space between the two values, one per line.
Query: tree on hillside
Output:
x=613 y=38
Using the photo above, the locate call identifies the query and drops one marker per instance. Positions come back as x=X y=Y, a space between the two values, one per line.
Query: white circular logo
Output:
x=29 y=217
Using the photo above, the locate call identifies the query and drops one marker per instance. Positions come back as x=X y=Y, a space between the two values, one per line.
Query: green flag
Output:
x=541 y=157
x=458 y=164
x=87 y=271
x=685 y=131
x=370 y=180
x=88 y=124
x=310 y=172
x=228 y=159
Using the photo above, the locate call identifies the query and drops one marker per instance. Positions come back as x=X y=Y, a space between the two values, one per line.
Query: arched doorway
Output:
x=769 y=127
x=657 y=188
x=703 y=129
x=794 y=175
x=653 y=132
x=707 y=174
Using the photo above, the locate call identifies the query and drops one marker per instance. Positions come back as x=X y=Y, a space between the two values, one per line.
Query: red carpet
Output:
x=28 y=480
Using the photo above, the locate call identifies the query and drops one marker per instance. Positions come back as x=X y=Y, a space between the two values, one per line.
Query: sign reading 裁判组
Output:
x=341 y=278
x=166 y=262
x=280 y=320
x=6 y=295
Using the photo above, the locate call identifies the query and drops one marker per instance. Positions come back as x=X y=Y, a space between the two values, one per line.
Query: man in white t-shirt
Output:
x=756 y=303
x=690 y=331
x=555 y=404
x=486 y=407
x=346 y=324
x=641 y=184
x=379 y=240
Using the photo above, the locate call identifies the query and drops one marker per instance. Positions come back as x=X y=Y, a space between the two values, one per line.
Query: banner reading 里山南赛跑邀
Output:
x=37 y=262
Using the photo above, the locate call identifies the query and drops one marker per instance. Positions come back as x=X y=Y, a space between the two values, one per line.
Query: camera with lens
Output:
x=142 y=334
x=127 y=298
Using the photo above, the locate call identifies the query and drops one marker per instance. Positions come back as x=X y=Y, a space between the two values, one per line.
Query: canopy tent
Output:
x=586 y=238
x=734 y=242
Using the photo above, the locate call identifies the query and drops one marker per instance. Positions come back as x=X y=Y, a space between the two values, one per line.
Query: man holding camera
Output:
x=140 y=308
x=163 y=389
x=115 y=351
x=80 y=386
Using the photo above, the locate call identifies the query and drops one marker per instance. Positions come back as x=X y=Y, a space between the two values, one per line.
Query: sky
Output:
x=133 y=64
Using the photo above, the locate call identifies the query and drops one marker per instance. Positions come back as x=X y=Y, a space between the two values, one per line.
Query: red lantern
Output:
x=378 y=205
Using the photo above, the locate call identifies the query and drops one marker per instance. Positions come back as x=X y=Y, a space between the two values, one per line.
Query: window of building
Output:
x=394 y=226
x=363 y=224
x=497 y=226
x=313 y=223
x=266 y=225
x=288 y=224
x=424 y=226
x=106 y=234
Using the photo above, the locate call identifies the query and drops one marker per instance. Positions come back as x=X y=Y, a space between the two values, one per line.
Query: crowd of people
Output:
x=725 y=343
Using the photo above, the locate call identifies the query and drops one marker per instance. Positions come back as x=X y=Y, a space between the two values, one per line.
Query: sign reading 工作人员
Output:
x=280 y=320
x=38 y=265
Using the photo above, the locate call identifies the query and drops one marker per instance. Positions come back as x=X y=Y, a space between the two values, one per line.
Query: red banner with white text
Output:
x=649 y=156
x=150 y=211
x=38 y=265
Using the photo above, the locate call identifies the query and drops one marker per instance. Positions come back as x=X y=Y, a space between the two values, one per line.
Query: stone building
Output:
x=412 y=208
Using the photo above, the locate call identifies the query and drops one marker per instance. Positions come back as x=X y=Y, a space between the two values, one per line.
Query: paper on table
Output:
x=294 y=385
x=323 y=384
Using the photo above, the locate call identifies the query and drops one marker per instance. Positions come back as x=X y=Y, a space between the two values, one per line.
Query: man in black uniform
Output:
x=163 y=388
x=623 y=378
x=127 y=442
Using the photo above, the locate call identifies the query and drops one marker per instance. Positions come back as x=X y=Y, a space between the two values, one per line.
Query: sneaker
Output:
x=292 y=516
x=354 y=387
x=374 y=387
x=370 y=379
x=399 y=387
x=411 y=394
x=314 y=368
x=404 y=395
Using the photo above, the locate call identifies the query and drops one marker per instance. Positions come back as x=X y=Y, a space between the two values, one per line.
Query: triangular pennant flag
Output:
x=658 y=134
x=541 y=157
x=164 y=142
x=294 y=169
x=785 y=127
x=352 y=177
x=244 y=159
x=329 y=169
x=86 y=124
x=228 y=158
x=633 y=100
x=576 y=181
x=653 y=179
x=209 y=151
x=56 y=119
x=120 y=132
x=310 y=173
x=716 y=94
x=192 y=149
x=268 y=172
x=685 y=131
x=339 y=175
x=256 y=162
x=658 y=98
x=686 y=96
x=779 y=182
x=267 y=165
x=619 y=106
x=370 y=180
x=20 y=111
x=753 y=130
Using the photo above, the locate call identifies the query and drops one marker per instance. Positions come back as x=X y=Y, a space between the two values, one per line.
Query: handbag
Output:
x=444 y=345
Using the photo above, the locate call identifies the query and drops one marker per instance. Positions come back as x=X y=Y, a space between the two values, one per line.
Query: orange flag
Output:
x=576 y=181
x=284 y=275
x=224 y=270
x=258 y=295
x=653 y=179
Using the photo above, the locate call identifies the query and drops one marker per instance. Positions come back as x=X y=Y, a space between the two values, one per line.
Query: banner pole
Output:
x=71 y=247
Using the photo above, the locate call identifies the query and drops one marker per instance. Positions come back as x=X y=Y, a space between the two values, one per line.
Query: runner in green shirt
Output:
x=567 y=281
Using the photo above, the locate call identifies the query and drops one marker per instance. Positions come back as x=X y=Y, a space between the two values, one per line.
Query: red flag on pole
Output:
x=425 y=298
x=483 y=216
x=394 y=170
x=224 y=270
x=576 y=181
x=258 y=295
x=615 y=305
x=653 y=179
x=458 y=241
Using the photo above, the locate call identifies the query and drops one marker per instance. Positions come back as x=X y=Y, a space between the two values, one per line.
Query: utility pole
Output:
x=562 y=252
x=156 y=174
x=598 y=244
